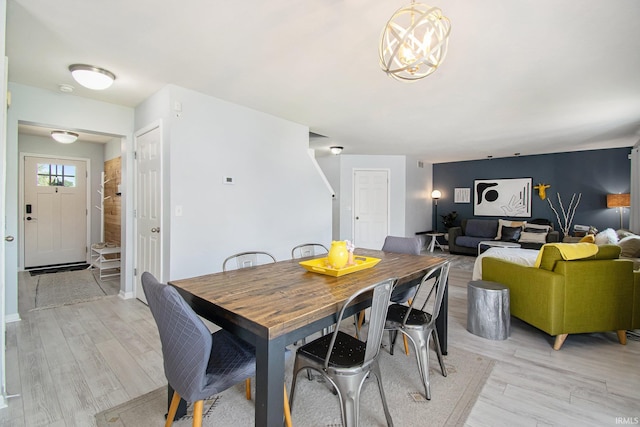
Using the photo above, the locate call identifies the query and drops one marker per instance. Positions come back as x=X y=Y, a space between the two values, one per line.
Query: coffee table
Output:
x=497 y=244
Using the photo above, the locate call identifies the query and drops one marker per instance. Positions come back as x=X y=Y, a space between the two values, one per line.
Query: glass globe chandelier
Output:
x=414 y=42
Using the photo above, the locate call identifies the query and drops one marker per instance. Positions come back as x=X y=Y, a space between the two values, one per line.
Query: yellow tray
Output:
x=321 y=265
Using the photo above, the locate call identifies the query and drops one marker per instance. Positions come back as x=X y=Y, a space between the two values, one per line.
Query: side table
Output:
x=497 y=243
x=488 y=311
x=434 y=241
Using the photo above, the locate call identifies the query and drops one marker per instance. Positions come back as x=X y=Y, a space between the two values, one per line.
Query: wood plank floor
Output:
x=65 y=364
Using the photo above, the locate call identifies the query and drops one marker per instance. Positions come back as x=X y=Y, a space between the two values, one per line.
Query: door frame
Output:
x=22 y=156
x=137 y=274
x=353 y=197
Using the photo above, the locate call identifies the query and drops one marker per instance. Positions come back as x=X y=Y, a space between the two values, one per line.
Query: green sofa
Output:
x=596 y=294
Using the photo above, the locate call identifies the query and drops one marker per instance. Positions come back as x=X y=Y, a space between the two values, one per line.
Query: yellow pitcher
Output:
x=338 y=254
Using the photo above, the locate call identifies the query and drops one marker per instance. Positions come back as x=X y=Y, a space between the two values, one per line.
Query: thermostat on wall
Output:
x=228 y=180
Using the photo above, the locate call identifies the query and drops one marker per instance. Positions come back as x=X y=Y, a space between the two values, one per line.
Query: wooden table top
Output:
x=273 y=299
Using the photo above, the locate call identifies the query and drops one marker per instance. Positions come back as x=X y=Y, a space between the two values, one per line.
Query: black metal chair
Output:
x=247 y=259
x=418 y=324
x=197 y=363
x=306 y=250
x=345 y=361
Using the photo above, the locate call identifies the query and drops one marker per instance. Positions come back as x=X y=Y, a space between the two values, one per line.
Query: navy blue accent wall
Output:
x=593 y=173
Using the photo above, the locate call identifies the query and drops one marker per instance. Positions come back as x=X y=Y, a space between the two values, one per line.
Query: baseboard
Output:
x=10 y=318
x=126 y=295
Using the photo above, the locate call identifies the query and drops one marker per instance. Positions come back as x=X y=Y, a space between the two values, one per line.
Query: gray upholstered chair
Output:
x=418 y=323
x=345 y=361
x=247 y=259
x=197 y=363
x=308 y=249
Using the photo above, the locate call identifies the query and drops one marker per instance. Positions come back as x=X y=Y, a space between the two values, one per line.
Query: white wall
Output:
x=278 y=200
x=65 y=111
x=92 y=151
x=419 y=209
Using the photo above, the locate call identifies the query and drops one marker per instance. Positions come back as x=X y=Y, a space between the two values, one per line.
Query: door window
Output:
x=53 y=175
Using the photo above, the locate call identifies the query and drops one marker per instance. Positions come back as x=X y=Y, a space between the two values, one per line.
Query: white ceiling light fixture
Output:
x=414 y=42
x=336 y=149
x=64 y=137
x=92 y=77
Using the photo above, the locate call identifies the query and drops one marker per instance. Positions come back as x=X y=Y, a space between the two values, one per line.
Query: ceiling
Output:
x=520 y=76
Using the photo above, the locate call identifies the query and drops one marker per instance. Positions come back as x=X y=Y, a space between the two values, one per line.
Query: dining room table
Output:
x=274 y=305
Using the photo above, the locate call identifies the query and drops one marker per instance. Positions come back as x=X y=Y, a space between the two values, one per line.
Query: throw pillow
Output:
x=510 y=234
x=507 y=223
x=589 y=238
x=607 y=237
x=533 y=237
x=630 y=247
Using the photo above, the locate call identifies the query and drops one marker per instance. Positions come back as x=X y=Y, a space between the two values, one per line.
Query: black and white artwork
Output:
x=502 y=197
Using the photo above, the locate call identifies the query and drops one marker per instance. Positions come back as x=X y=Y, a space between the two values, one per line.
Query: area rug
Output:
x=70 y=287
x=451 y=398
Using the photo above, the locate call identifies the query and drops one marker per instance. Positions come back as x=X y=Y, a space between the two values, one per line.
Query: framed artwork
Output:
x=502 y=197
x=462 y=195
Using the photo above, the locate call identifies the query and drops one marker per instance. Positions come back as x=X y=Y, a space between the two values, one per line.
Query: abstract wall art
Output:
x=502 y=197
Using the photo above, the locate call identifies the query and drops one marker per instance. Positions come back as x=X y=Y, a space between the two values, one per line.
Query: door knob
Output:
x=29 y=218
x=9 y=238
x=155 y=230
x=357 y=217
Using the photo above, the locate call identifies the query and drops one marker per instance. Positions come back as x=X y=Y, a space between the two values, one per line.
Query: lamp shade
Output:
x=618 y=200
x=436 y=194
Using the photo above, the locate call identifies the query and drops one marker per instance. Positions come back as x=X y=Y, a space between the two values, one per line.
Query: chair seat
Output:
x=396 y=314
x=347 y=350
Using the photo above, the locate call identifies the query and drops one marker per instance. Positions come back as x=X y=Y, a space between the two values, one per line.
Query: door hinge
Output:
x=135 y=271
x=135 y=155
x=135 y=213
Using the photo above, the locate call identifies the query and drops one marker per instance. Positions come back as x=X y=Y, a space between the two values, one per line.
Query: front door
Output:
x=148 y=205
x=54 y=211
x=370 y=207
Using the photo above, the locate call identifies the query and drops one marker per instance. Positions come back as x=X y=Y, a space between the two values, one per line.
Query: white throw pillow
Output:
x=607 y=237
x=533 y=237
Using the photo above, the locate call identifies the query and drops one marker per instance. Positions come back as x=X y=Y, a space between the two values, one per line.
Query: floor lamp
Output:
x=435 y=195
x=620 y=201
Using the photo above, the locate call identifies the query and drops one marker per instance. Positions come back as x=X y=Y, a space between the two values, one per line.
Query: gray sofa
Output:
x=464 y=243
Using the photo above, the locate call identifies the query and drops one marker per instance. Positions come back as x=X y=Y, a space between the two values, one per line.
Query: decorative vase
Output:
x=338 y=254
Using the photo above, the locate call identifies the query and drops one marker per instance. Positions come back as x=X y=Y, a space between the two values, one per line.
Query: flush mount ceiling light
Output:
x=336 y=149
x=64 y=137
x=92 y=77
x=414 y=42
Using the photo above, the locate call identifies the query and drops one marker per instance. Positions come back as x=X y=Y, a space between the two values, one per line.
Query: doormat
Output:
x=58 y=269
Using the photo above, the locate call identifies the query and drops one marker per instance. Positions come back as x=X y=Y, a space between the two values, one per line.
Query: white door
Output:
x=54 y=211
x=370 y=208
x=7 y=238
x=148 y=205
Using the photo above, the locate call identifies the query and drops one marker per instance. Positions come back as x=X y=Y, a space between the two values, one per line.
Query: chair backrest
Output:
x=377 y=317
x=308 y=249
x=247 y=259
x=430 y=293
x=402 y=245
x=186 y=341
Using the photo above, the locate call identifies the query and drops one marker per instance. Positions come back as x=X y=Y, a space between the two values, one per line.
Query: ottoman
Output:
x=488 y=313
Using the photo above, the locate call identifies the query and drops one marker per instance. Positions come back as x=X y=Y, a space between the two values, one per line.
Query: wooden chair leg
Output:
x=622 y=336
x=173 y=407
x=406 y=344
x=197 y=413
x=247 y=388
x=559 y=341
x=287 y=409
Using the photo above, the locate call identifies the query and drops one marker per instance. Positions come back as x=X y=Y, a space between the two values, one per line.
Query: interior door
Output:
x=54 y=211
x=370 y=207
x=148 y=206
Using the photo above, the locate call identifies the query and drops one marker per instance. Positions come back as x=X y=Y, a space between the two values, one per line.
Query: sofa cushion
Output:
x=507 y=223
x=630 y=247
x=481 y=228
x=510 y=234
x=470 y=242
x=534 y=233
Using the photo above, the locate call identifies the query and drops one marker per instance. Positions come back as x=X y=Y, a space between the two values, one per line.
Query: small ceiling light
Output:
x=336 y=149
x=92 y=77
x=64 y=137
x=414 y=42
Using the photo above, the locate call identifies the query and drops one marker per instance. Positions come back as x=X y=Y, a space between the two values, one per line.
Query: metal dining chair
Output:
x=308 y=250
x=345 y=361
x=197 y=363
x=418 y=323
x=247 y=259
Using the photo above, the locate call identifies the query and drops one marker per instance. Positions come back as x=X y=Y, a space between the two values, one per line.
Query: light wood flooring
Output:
x=65 y=364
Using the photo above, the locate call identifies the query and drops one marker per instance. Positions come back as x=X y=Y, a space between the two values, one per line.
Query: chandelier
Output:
x=414 y=42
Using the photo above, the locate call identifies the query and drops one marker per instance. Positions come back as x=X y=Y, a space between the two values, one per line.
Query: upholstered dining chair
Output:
x=197 y=363
x=308 y=249
x=345 y=361
x=247 y=259
x=418 y=323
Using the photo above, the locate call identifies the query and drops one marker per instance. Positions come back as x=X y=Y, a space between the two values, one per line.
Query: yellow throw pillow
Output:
x=589 y=238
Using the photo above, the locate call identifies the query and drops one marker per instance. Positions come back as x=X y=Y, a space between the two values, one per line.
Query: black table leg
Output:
x=442 y=321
